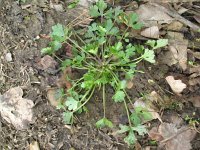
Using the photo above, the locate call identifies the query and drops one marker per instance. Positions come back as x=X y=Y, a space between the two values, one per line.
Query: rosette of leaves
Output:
x=104 y=53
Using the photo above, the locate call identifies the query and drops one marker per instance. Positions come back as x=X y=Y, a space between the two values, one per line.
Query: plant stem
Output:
x=75 y=84
x=128 y=97
x=82 y=21
x=124 y=33
x=115 y=77
x=84 y=96
x=78 y=46
x=104 y=102
x=127 y=112
x=138 y=61
x=71 y=23
x=94 y=58
x=127 y=64
x=81 y=68
x=86 y=99
x=79 y=38
x=102 y=52
x=57 y=57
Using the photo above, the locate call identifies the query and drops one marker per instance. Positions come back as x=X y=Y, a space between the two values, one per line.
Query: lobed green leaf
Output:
x=119 y=96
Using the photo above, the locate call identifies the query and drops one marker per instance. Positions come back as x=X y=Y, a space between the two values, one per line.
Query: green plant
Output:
x=73 y=4
x=192 y=63
x=191 y=120
x=23 y=1
x=173 y=105
x=108 y=59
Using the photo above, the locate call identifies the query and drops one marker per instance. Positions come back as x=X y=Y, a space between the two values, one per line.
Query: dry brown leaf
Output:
x=195 y=75
x=15 y=109
x=167 y=58
x=151 y=32
x=195 y=101
x=194 y=81
x=62 y=82
x=129 y=84
x=169 y=1
x=175 y=26
x=177 y=36
x=177 y=51
x=197 y=18
x=175 y=15
x=53 y=97
x=149 y=106
x=34 y=146
x=155 y=97
x=196 y=55
x=154 y=135
x=152 y=16
x=177 y=86
x=174 y=138
x=138 y=146
x=195 y=69
x=175 y=119
x=182 y=10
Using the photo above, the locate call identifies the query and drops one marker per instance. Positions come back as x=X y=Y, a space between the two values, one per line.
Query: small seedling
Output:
x=108 y=60
x=174 y=105
x=191 y=120
x=73 y=4
x=192 y=63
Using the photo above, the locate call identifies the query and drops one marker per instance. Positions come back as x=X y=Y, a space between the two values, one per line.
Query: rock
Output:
x=15 y=109
x=8 y=57
x=48 y=62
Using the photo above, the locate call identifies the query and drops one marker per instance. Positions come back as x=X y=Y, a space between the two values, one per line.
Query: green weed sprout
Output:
x=105 y=54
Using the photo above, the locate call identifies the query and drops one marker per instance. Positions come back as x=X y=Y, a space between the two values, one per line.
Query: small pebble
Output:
x=8 y=57
x=37 y=37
